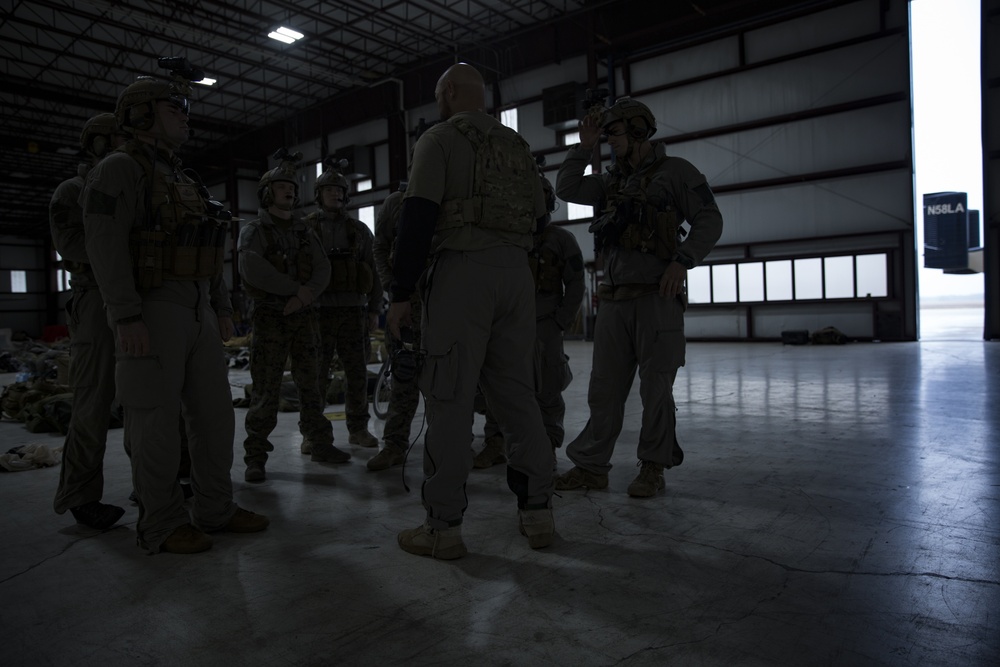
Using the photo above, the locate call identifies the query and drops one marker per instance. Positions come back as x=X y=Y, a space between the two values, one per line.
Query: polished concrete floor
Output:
x=836 y=506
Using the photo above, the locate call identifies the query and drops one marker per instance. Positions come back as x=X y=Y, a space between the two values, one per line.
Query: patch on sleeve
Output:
x=99 y=203
x=705 y=193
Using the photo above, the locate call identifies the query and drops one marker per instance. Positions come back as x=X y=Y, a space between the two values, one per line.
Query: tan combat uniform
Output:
x=478 y=328
x=92 y=355
x=276 y=258
x=636 y=328
x=126 y=198
x=353 y=292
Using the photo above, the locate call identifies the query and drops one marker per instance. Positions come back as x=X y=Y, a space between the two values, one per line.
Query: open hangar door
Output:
x=803 y=126
x=990 y=41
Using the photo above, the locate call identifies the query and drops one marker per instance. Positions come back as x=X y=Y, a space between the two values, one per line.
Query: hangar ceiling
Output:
x=64 y=61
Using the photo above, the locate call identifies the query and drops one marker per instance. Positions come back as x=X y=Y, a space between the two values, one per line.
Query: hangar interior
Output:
x=841 y=508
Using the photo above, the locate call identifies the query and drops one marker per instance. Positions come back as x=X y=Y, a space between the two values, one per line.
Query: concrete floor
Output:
x=836 y=506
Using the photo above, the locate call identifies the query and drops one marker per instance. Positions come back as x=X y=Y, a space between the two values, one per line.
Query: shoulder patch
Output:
x=705 y=194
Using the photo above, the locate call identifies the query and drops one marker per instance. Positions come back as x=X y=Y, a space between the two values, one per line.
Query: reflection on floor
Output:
x=836 y=506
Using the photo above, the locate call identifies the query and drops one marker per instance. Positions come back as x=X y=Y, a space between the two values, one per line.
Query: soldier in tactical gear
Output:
x=405 y=396
x=557 y=266
x=472 y=201
x=92 y=343
x=350 y=304
x=642 y=200
x=284 y=269
x=157 y=258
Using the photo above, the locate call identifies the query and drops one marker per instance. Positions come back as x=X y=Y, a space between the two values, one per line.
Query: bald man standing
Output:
x=472 y=203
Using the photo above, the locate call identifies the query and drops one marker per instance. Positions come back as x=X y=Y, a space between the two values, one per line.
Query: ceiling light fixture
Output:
x=286 y=35
x=207 y=82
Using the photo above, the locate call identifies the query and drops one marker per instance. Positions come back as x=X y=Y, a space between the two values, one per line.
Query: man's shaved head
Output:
x=460 y=88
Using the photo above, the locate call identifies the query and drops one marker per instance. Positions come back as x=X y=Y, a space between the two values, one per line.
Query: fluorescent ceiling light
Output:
x=207 y=82
x=286 y=35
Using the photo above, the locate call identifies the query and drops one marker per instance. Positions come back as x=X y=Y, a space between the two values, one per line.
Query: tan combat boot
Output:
x=443 y=544
x=648 y=481
x=390 y=456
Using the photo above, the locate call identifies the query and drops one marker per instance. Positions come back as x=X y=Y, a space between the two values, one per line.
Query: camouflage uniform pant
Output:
x=343 y=331
x=92 y=378
x=275 y=338
x=405 y=396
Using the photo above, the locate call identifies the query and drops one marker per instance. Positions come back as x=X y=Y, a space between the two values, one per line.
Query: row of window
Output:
x=843 y=277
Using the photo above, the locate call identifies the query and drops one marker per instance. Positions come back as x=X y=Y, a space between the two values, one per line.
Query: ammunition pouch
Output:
x=348 y=274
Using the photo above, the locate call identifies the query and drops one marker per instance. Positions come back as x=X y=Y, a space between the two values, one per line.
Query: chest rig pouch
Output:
x=632 y=222
x=504 y=176
x=546 y=265
x=292 y=259
x=348 y=272
x=178 y=240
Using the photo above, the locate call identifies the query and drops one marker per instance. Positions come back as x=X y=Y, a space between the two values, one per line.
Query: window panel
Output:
x=872 y=278
x=366 y=214
x=509 y=118
x=578 y=211
x=724 y=283
x=838 y=276
x=751 y=278
x=809 y=278
x=18 y=282
x=779 y=280
x=699 y=280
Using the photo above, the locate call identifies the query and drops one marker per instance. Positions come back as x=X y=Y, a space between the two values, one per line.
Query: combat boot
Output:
x=306 y=447
x=245 y=521
x=98 y=515
x=492 y=453
x=537 y=525
x=327 y=453
x=255 y=472
x=390 y=456
x=186 y=539
x=443 y=544
x=648 y=481
x=577 y=478
x=363 y=437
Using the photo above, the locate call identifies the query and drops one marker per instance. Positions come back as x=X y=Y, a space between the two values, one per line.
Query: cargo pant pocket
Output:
x=669 y=354
x=439 y=374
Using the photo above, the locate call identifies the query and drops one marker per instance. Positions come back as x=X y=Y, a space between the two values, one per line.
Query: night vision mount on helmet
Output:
x=136 y=107
x=286 y=171
x=333 y=175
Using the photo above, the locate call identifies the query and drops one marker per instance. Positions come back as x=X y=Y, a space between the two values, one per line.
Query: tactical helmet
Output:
x=332 y=176
x=283 y=172
x=137 y=103
x=96 y=136
x=628 y=110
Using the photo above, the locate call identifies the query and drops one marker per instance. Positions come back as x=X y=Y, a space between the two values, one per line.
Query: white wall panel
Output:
x=530 y=84
x=829 y=27
x=851 y=205
x=686 y=64
x=861 y=137
x=715 y=323
x=853 y=319
x=529 y=126
x=843 y=75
